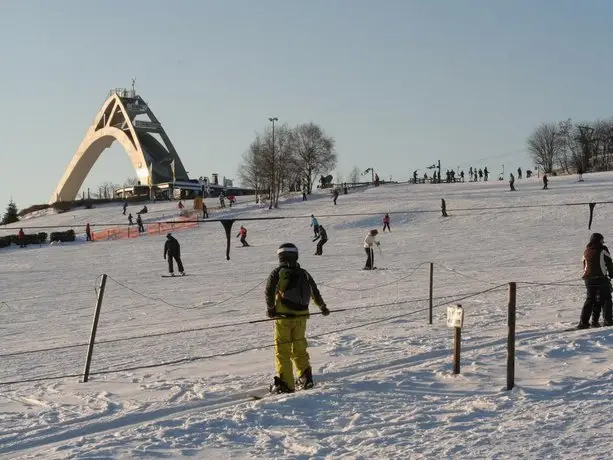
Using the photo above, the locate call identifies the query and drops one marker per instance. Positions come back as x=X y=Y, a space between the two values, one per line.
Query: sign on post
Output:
x=455 y=316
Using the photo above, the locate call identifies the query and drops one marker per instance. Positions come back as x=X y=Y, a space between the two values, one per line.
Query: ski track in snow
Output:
x=382 y=391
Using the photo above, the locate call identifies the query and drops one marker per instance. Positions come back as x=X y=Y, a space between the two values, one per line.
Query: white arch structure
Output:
x=116 y=122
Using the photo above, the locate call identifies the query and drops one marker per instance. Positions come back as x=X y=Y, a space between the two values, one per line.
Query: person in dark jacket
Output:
x=289 y=290
x=323 y=239
x=172 y=249
x=597 y=269
x=88 y=232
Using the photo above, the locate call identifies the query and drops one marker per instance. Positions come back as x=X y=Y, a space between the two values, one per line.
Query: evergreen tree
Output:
x=10 y=215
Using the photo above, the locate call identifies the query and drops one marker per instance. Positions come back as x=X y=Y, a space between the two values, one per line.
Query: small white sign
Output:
x=455 y=316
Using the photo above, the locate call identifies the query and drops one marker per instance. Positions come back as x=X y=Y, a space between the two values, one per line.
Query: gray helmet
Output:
x=287 y=252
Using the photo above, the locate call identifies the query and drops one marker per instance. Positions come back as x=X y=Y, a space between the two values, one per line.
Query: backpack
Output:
x=293 y=288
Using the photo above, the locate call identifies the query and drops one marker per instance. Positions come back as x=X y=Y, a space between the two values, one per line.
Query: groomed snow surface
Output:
x=384 y=381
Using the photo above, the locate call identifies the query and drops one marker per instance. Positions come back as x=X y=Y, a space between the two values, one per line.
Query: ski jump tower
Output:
x=124 y=117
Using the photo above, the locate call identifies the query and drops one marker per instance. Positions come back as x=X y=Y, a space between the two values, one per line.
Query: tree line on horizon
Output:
x=287 y=159
x=570 y=147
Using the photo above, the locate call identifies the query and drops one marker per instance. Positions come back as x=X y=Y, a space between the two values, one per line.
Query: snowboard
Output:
x=176 y=276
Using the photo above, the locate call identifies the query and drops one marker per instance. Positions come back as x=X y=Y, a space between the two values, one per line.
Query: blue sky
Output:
x=399 y=84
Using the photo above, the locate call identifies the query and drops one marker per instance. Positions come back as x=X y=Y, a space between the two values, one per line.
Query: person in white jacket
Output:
x=369 y=241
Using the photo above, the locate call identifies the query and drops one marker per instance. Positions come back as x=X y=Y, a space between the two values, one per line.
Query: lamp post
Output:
x=272 y=188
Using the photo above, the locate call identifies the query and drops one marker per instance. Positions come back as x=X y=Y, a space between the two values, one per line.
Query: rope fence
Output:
x=444 y=300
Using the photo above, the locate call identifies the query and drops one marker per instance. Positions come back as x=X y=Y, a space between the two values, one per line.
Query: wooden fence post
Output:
x=457 y=340
x=511 y=338
x=430 y=291
x=92 y=337
x=455 y=319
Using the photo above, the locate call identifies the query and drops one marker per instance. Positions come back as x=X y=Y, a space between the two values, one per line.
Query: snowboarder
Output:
x=444 y=207
x=335 y=196
x=315 y=225
x=205 y=212
x=519 y=173
x=369 y=250
x=545 y=181
x=130 y=219
x=172 y=249
x=323 y=239
x=579 y=174
x=88 y=232
x=512 y=182
x=125 y=206
x=139 y=222
x=21 y=237
x=243 y=234
x=597 y=269
x=289 y=289
x=386 y=222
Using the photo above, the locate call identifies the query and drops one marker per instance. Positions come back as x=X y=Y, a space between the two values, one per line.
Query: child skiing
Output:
x=368 y=248
x=243 y=234
x=386 y=222
x=289 y=290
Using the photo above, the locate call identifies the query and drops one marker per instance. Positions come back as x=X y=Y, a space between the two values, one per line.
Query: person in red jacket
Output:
x=243 y=234
x=21 y=237
x=88 y=232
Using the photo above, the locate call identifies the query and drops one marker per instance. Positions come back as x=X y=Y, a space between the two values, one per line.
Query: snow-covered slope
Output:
x=384 y=382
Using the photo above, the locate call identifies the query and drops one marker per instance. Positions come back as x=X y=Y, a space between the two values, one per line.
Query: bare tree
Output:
x=354 y=176
x=543 y=145
x=130 y=181
x=251 y=170
x=315 y=152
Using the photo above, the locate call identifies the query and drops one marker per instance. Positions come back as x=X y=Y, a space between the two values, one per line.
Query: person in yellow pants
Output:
x=289 y=290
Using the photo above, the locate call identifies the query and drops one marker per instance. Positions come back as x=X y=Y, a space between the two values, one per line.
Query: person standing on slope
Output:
x=172 y=249
x=386 y=222
x=243 y=234
x=597 y=265
x=315 y=225
x=289 y=289
x=323 y=239
x=369 y=241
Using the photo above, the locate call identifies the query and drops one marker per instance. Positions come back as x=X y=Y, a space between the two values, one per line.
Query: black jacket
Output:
x=172 y=247
x=322 y=234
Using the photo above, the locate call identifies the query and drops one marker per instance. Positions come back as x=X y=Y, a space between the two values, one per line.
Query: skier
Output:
x=368 y=248
x=88 y=232
x=172 y=249
x=519 y=173
x=288 y=291
x=243 y=234
x=386 y=222
x=597 y=265
x=315 y=225
x=21 y=236
x=139 y=222
x=444 y=207
x=545 y=181
x=323 y=239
